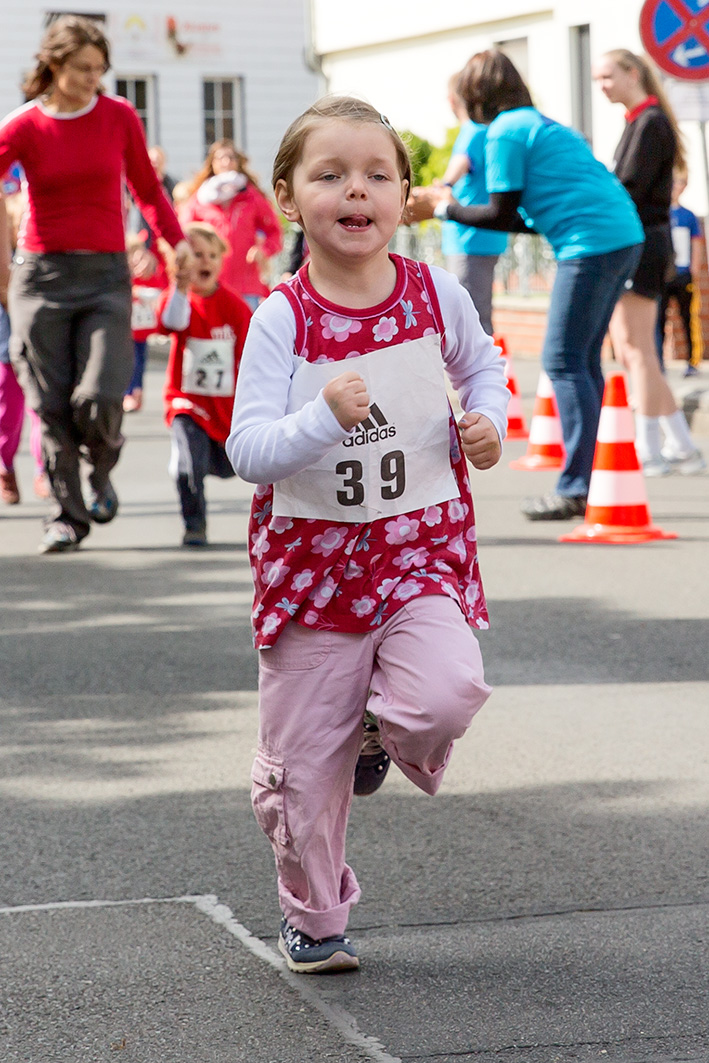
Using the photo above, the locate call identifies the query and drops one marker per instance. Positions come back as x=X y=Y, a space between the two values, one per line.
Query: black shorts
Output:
x=655 y=264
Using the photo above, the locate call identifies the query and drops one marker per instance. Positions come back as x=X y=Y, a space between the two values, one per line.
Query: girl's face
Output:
x=617 y=84
x=224 y=160
x=679 y=184
x=207 y=266
x=347 y=192
x=76 y=81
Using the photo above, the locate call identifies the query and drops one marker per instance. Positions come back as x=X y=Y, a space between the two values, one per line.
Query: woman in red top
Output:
x=70 y=292
x=227 y=195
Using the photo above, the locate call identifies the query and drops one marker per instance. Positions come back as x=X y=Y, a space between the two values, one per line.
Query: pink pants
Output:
x=420 y=674
x=12 y=414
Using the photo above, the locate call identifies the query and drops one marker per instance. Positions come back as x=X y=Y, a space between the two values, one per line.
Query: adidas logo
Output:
x=371 y=429
x=211 y=359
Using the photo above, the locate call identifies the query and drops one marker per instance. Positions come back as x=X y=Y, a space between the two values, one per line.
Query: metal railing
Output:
x=527 y=267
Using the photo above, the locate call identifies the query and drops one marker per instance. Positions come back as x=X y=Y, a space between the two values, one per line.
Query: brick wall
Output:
x=523 y=325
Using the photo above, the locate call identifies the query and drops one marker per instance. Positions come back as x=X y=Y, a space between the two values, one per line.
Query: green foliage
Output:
x=419 y=151
x=427 y=160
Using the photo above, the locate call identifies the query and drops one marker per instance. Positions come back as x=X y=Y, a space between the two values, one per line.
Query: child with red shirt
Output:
x=148 y=280
x=362 y=536
x=209 y=324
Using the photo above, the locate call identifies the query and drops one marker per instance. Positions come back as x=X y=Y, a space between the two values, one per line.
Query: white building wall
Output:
x=264 y=43
x=401 y=60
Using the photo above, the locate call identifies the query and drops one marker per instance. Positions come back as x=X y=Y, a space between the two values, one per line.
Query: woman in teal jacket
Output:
x=542 y=176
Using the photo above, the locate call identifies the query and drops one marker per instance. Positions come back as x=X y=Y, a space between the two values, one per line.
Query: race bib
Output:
x=144 y=308
x=395 y=461
x=208 y=367
x=682 y=246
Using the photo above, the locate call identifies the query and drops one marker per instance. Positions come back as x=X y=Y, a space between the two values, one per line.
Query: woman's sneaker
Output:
x=554 y=507
x=656 y=466
x=195 y=536
x=373 y=762
x=103 y=506
x=308 y=956
x=59 y=538
x=688 y=465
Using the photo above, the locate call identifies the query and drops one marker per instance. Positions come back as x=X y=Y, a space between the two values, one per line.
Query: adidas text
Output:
x=360 y=438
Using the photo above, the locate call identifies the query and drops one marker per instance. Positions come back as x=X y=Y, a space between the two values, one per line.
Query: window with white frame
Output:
x=581 y=82
x=223 y=110
x=141 y=91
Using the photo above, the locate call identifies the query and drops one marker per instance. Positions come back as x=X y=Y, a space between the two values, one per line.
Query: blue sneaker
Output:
x=307 y=956
x=103 y=507
x=373 y=762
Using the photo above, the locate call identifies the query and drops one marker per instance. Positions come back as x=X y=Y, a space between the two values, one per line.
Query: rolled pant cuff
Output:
x=321 y=924
x=427 y=781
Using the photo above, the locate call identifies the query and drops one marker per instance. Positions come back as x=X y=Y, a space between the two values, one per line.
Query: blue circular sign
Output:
x=675 y=34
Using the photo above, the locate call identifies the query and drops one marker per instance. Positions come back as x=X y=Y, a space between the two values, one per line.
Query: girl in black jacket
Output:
x=647 y=152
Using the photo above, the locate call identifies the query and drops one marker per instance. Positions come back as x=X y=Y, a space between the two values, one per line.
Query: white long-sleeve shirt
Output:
x=266 y=444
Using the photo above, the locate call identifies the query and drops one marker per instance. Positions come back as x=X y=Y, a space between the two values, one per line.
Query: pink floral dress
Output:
x=352 y=577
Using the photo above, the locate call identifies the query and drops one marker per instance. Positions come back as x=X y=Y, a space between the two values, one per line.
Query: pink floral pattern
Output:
x=385 y=330
x=353 y=577
x=403 y=529
x=338 y=329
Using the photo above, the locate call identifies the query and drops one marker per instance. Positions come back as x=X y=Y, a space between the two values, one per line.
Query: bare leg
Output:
x=632 y=330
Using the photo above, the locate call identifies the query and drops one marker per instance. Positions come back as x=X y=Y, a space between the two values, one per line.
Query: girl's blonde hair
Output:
x=65 y=37
x=651 y=85
x=208 y=233
x=207 y=170
x=342 y=108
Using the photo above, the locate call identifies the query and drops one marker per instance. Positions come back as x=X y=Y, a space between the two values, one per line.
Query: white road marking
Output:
x=221 y=915
x=344 y=1023
x=54 y=905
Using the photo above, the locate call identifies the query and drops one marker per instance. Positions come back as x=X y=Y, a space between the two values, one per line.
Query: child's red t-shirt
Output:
x=199 y=382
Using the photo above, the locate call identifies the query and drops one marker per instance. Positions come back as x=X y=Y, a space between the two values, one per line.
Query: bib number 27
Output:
x=392 y=470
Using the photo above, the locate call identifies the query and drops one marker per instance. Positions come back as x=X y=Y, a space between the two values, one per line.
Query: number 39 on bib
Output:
x=397 y=459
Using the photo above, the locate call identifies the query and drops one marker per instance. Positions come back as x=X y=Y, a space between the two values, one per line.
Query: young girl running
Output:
x=362 y=534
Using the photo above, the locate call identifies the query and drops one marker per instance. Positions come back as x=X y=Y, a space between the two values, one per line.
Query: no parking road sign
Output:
x=675 y=34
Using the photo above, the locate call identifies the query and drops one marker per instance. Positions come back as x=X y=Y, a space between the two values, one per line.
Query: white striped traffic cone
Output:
x=546 y=446
x=516 y=424
x=617 y=509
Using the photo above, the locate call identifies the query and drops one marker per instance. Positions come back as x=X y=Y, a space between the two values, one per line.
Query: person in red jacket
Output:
x=226 y=194
x=208 y=323
x=70 y=292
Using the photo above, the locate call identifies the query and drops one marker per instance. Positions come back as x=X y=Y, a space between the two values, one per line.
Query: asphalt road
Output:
x=549 y=905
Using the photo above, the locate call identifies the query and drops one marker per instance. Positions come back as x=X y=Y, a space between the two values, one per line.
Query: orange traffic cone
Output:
x=516 y=425
x=617 y=510
x=546 y=446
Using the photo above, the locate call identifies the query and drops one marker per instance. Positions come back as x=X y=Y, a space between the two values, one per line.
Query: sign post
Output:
x=675 y=34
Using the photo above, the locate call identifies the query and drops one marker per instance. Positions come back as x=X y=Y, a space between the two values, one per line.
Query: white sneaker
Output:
x=657 y=467
x=687 y=465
